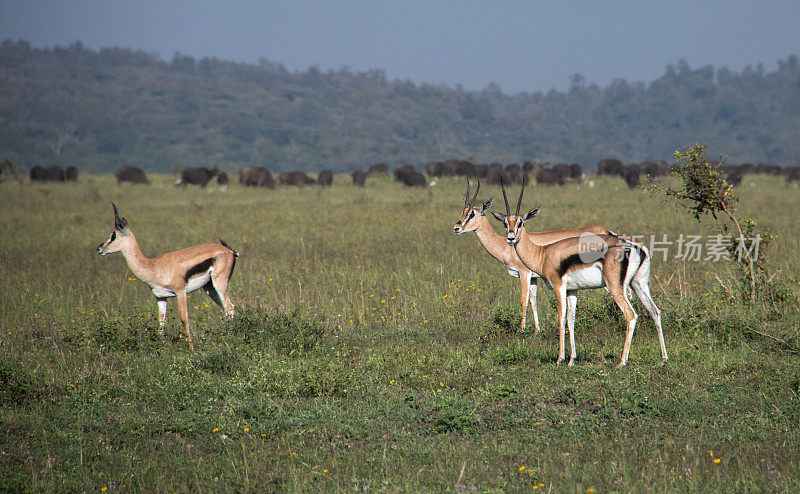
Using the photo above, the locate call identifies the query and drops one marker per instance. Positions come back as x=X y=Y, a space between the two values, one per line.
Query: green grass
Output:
x=374 y=349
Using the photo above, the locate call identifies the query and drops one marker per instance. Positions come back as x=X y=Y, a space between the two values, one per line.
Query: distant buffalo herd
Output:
x=53 y=174
x=495 y=173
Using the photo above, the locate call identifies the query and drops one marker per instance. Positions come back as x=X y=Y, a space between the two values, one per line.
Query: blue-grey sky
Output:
x=521 y=45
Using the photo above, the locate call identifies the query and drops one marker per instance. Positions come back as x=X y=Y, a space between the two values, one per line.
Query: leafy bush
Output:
x=507 y=319
x=287 y=334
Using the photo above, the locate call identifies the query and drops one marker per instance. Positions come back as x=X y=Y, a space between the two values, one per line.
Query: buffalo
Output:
x=435 y=169
x=459 y=168
x=51 y=173
x=295 y=178
x=222 y=178
x=576 y=172
x=130 y=174
x=71 y=173
x=792 y=173
x=401 y=169
x=734 y=175
x=197 y=176
x=563 y=170
x=359 y=177
x=325 y=177
x=496 y=174
x=547 y=176
x=631 y=176
x=37 y=174
x=654 y=168
x=251 y=176
x=409 y=176
x=610 y=166
x=413 y=179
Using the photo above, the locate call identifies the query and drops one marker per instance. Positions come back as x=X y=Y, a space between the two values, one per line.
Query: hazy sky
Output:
x=522 y=45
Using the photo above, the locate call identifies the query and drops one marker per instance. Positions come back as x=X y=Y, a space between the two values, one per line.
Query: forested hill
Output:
x=100 y=109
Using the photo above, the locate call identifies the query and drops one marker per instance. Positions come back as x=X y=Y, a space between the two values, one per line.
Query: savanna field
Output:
x=376 y=350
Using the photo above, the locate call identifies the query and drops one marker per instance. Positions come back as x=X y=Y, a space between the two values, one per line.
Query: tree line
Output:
x=99 y=110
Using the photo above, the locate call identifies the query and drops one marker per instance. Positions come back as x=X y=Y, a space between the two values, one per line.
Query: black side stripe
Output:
x=198 y=268
x=567 y=263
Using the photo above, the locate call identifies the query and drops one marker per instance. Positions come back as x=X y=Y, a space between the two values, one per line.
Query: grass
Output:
x=375 y=350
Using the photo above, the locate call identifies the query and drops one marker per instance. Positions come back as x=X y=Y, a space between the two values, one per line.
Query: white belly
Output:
x=198 y=282
x=162 y=292
x=193 y=285
x=590 y=277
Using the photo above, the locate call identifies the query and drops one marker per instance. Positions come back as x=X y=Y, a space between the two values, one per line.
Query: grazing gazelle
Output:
x=588 y=261
x=175 y=274
x=474 y=219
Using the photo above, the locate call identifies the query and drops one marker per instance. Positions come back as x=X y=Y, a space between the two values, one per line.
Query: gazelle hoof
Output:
x=621 y=364
x=571 y=362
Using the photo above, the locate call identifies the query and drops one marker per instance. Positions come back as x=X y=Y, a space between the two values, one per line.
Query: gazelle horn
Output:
x=119 y=223
x=505 y=198
x=466 y=197
x=472 y=203
x=520 y=196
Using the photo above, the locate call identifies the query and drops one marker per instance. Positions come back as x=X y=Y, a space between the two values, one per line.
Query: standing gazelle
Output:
x=474 y=219
x=175 y=274
x=588 y=261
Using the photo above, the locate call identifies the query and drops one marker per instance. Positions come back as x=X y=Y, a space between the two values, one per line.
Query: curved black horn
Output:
x=119 y=223
x=505 y=198
x=520 y=195
x=472 y=203
x=466 y=197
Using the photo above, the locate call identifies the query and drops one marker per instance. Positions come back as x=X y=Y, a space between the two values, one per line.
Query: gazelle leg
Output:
x=618 y=292
x=533 y=289
x=162 y=313
x=183 y=310
x=220 y=286
x=572 y=303
x=643 y=292
x=561 y=293
x=524 y=296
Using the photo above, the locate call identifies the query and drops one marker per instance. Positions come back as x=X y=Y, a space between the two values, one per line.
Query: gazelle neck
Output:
x=494 y=244
x=530 y=253
x=140 y=264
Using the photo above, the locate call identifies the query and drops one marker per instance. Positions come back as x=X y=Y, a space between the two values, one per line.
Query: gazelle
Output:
x=175 y=274
x=588 y=261
x=474 y=219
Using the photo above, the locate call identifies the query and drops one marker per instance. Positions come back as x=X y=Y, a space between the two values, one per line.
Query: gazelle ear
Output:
x=530 y=214
x=501 y=218
x=123 y=226
x=486 y=205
